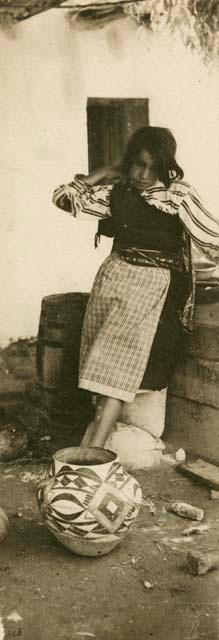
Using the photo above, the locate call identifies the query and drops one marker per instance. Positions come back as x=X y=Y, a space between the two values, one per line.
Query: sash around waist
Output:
x=151 y=258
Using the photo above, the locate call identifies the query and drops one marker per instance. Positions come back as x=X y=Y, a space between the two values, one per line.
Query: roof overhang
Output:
x=19 y=10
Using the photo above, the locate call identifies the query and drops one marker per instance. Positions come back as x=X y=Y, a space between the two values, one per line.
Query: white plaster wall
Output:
x=48 y=70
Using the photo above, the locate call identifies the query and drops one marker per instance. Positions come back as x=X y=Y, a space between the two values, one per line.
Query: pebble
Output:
x=14 y=617
x=180 y=455
x=199 y=528
x=148 y=585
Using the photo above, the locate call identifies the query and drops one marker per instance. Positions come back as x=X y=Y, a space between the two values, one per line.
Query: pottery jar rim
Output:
x=85 y=456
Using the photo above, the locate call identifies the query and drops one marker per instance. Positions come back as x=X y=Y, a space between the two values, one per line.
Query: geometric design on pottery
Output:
x=79 y=479
x=116 y=474
x=65 y=481
x=67 y=506
x=104 y=505
x=95 y=502
x=87 y=512
x=110 y=507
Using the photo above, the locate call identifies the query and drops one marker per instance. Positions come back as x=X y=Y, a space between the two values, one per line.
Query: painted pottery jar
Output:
x=89 y=501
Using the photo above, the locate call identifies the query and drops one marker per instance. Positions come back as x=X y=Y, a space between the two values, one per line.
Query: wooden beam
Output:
x=22 y=10
x=203 y=472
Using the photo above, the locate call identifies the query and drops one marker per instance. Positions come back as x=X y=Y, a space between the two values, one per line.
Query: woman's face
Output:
x=143 y=173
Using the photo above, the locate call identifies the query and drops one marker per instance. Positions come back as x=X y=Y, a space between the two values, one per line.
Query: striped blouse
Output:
x=84 y=202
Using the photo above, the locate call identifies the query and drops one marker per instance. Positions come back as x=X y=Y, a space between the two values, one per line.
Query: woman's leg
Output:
x=107 y=413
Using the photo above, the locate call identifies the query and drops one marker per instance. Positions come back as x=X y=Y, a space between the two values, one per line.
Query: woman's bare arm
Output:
x=109 y=173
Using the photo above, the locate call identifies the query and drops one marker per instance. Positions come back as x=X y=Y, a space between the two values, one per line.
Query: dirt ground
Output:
x=47 y=593
x=51 y=594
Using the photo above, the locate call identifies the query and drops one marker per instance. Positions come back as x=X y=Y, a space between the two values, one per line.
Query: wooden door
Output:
x=110 y=123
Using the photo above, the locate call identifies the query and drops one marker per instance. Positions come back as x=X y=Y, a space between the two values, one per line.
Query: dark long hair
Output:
x=161 y=144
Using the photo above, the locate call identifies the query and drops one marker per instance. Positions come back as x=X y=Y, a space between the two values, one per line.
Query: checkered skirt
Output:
x=120 y=323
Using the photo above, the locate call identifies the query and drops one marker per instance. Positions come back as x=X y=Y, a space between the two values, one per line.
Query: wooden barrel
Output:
x=192 y=417
x=58 y=348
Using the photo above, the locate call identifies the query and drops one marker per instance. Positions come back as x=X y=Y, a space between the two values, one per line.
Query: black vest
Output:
x=135 y=223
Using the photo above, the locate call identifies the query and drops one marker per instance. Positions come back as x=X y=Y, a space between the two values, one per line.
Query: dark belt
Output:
x=150 y=258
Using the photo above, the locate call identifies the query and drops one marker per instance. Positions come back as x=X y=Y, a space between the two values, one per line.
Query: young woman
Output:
x=143 y=294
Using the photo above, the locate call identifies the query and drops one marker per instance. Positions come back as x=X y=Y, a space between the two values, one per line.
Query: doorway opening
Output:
x=110 y=123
